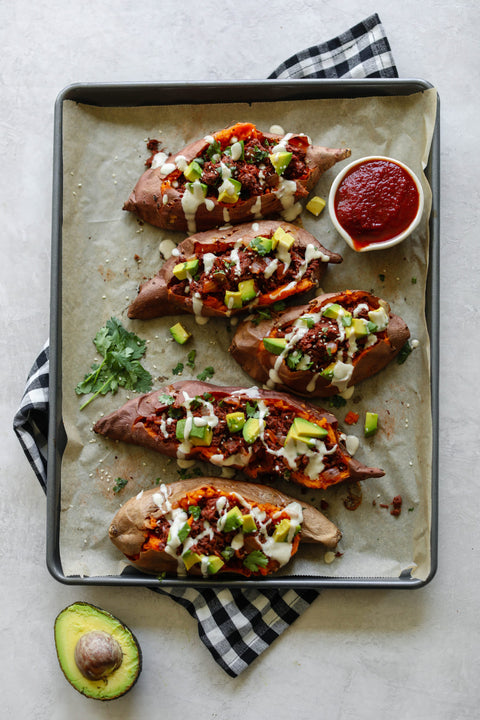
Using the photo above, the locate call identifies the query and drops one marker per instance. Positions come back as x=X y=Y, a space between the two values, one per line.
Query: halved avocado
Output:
x=98 y=654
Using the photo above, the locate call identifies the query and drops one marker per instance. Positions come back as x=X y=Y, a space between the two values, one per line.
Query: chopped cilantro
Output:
x=184 y=532
x=119 y=484
x=178 y=368
x=191 y=358
x=166 y=399
x=259 y=246
x=255 y=560
x=195 y=511
x=337 y=401
x=175 y=412
x=121 y=351
x=206 y=373
x=279 y=305
x=258 y=154
x=228 y=553
x=260 y=315
x=207 y=396
x=294 y=358
x=414 y=280
x=251 y=410
x=404 y=353
x=214 y=149
x=186 y=473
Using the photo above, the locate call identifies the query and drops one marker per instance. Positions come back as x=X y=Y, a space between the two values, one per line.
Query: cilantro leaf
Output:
x=294 y=358
x=121 y=351
x=337 y=401
x=255 y=560
x=206 y=374
x=252 y=410
x=195 y=511
x=166 y=399
x=119 y=484
x=259 y=246
x=404 y=353
x=191 y=358
x=178 y=368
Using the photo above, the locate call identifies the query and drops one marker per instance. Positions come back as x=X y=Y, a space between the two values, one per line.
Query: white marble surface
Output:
x=353 y=654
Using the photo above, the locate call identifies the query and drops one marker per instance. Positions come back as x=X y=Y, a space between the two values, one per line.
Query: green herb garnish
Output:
x=294 y=358
x=166 y=399
x=255 y=560
x=191 y=358
x=337 y=401
x=195 y=511
x=404 y=353
x=119 y=484
x=259 y=246
x=207 y=373
x=121 y=351
x=178 y=368
x=185 y=473
x=228 y=553
x=252 y=410
x=184 y=532
x=213 y=149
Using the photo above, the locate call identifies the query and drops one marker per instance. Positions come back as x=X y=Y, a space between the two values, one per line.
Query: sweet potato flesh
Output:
x=208 y=537
x=234 y=264
x=253 y=169
x=269 y=455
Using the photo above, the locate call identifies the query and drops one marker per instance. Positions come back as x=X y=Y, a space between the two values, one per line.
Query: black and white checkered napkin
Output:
x=235 y=625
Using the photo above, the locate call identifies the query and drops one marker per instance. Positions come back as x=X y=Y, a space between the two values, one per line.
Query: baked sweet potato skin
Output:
x=158 y=202
x=248 y=350
x=157 y=298
x=137 y=423
x=128 y=529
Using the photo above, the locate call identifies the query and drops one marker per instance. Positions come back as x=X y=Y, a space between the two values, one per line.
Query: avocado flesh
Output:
x=74 y=622
x=274 y=345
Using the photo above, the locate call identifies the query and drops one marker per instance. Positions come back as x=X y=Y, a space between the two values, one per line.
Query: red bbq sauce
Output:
x=376 y=201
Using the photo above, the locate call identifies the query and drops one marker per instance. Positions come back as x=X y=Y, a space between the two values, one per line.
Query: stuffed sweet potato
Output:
x=266 y=434
x=228 y=271
x=320 y=349
x=208 y=526
x=233 y=176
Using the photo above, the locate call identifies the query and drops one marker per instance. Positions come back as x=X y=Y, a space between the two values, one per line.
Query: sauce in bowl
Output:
x=375 y=202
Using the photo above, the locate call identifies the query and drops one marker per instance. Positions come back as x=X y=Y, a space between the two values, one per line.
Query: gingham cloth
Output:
x=236 y=625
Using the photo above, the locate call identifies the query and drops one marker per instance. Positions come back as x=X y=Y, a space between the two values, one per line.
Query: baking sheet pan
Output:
x=124 y=96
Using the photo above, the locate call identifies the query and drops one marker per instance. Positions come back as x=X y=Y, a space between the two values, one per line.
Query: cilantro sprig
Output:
x=255 y=560
x=121 y=351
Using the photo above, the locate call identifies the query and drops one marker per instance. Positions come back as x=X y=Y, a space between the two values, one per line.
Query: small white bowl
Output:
x=384 y=244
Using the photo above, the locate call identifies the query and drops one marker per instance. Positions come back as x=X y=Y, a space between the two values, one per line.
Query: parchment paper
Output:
x=108 y=252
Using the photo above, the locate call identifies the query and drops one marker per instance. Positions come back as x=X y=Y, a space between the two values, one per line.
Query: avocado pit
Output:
x=97 y=654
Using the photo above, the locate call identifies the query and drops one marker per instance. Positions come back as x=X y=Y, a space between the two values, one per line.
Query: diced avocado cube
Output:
x=280 y=161
x=179 y=334
x=333 y=311
x=281 y=235
x=248 y=523
x=262 y=245
x=193 y=171
x=197 y=187
x=281 y=531
x=371 y=423
x=251 y=430
x=233 y=519
x=316 y=205
x=293 y=436
x=235 y=421
x=233 y=299
x=328 y=371
x=214 y=564
x=247 y=290
x=180 y=430
x=201 y=435
x=274 y=345
x=182 y=270
x=308 y=320
x=190 y=559
x=231 y=192
x=360 y=327
x=285 y=241
x=305 y=428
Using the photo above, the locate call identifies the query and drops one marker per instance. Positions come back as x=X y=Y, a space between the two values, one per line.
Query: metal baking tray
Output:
x=143 y=94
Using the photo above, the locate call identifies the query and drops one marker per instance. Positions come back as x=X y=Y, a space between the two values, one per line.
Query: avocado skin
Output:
x=103 y=689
